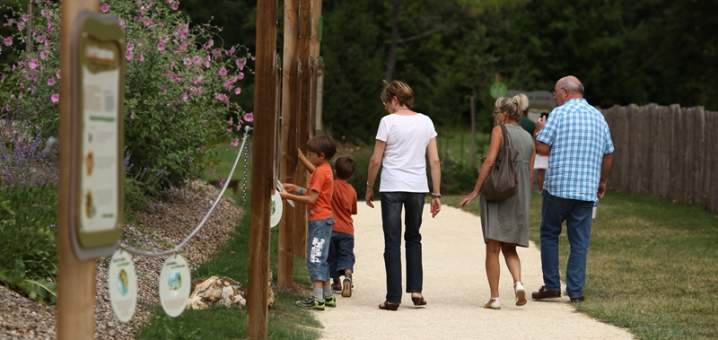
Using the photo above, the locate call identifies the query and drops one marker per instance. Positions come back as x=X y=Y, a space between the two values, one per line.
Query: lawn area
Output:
x=652 y=266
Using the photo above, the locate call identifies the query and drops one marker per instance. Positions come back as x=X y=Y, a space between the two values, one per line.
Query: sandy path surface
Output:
x=455 y=287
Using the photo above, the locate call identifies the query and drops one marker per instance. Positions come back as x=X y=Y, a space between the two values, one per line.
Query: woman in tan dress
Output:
x=505 y=224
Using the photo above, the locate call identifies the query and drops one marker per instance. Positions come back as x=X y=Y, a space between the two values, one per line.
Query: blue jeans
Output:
x=577 y=215
x=319 y=235
x=341 y=254
x=391 y=206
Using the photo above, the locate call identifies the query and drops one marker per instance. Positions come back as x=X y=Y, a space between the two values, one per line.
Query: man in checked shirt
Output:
x=577 y=138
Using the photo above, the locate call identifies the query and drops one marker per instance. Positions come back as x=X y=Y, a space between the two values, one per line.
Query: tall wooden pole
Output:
x=304 y=34
x=263 y=149
x=76 y=279
x=316 y=64
x=289 y=141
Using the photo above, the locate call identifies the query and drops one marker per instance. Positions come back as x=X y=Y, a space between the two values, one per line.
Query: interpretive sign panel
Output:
x=97 y=95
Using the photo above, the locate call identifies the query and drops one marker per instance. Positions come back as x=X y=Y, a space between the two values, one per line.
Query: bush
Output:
x=29 y=255
x=180 y=86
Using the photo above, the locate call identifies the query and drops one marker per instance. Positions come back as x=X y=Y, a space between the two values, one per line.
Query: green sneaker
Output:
x=330 y=301
x=311 y=302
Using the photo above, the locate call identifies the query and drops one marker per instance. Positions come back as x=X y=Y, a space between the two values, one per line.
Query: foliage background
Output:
x=624 y=51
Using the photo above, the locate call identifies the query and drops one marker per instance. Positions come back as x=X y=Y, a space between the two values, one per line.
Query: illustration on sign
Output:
x=122 y=286
x=174 y=285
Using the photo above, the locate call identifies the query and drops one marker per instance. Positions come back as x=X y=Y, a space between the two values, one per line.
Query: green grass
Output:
x=286 y=321
x=219 y=161
x=652 y=266
x=454 y=143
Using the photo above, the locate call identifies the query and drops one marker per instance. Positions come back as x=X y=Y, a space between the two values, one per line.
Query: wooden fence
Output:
x=665 y=151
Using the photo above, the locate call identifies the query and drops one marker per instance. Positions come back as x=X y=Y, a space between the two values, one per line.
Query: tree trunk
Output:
x=391 y=55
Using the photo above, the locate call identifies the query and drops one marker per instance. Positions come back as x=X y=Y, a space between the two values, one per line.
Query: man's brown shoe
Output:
x=545 y=293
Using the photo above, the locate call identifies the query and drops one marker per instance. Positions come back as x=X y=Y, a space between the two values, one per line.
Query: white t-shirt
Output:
x=407 y=138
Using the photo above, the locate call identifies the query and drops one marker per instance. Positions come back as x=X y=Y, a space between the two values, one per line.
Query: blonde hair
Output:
x=510 y=106
x=523 y=101
x=399 y=90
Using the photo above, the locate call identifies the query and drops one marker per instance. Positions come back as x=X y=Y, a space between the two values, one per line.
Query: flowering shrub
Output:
x=181 y=85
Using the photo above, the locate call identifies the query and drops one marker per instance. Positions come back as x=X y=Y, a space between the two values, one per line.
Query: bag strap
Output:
x=507 y=143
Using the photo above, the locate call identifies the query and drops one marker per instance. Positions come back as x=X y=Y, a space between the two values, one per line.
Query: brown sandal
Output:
x=418 y=300
x=389 y=305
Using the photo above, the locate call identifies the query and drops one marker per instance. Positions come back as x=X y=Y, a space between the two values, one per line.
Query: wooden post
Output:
x=303 y=92
x=472 y=138
x=263 y=149
x=316 y=63
x=76 y=279
x=289 y=141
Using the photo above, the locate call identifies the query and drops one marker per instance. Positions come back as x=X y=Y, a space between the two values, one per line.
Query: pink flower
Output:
x=235 y=142
x=43 y=55
x=122 y=23
x=129 y=55
x=55 y=98
x=187 y=62
x=182 y=32
x=182 y=47
x=248 y=117
x=222 y=71
x=130 y=46
x=105 y=7
x=209 y=44
x=174 y=6
x=237 y=91
x=222 y=98
x=217 y=53
x=40 y=38
x=7 y=41
x=239 y=76
x=185 y=97
x=141 y=58
x=50 y=27
x=33 y=64
x=231 y=51
x=51 y=81
x=240 y=63
x=197 y=60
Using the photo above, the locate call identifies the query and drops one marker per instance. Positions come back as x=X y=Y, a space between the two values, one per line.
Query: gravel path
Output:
x=455 y=287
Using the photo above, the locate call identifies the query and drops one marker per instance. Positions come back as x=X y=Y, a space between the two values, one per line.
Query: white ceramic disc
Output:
x=122 y=285
x=175 y=285
x=277 y=207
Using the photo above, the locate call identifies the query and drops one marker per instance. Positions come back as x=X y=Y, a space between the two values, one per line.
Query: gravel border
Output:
x=162 y=224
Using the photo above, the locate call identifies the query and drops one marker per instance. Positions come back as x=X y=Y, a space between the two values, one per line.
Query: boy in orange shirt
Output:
x=318 y=198
x=344 y=205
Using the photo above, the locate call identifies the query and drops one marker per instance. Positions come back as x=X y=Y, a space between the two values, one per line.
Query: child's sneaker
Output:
x=311 y=302
x=347 y=287
x=330 y=301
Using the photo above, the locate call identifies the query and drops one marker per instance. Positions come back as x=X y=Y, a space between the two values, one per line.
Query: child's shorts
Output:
x=319 y=235
x=341 y=253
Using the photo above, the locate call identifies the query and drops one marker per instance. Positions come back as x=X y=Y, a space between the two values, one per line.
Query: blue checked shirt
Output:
x=579 y=137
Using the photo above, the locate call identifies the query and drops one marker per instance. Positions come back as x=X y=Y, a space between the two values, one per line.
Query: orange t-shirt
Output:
x=344 y=205
x=322 y=181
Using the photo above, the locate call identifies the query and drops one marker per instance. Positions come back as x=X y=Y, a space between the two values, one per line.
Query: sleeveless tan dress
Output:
x=508 y=221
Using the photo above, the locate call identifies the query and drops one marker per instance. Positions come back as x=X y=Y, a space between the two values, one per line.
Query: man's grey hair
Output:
x=571 y=84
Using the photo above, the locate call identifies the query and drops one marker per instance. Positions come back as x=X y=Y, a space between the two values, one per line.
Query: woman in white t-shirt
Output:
x=402 y=142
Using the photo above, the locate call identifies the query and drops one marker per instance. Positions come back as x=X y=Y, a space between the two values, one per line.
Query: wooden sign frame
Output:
x=103 y=33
